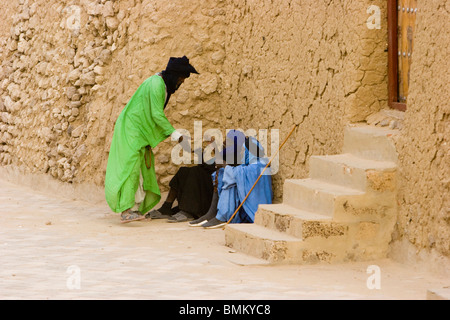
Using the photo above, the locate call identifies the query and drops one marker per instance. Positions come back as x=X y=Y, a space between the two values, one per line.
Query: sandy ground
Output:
x=53 y=247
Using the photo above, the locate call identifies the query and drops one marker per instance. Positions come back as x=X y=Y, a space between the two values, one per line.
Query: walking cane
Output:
x=260 y=175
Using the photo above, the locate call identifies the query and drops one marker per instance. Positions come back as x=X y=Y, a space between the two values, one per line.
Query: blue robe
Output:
x=236 y=182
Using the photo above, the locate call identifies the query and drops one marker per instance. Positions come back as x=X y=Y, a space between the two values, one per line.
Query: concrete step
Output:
x=264 y=243
x=285 y=218
x=346 y=169
x=370 y=143
x=315 y=195
x=345 y=211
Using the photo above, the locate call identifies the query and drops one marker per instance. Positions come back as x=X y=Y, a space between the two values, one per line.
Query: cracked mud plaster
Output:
x=308 y=65
x=424 y=145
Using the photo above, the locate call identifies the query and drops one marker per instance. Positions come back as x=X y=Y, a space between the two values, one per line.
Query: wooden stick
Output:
x=260 y=175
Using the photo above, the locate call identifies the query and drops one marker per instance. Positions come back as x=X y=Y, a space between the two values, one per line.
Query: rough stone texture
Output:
x=424 y=145
x=310 y=256
x=67 y=72
x=381 y=181
x=321 y=229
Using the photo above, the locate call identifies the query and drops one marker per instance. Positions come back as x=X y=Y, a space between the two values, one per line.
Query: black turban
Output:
x=180 y=66
x=176 y=68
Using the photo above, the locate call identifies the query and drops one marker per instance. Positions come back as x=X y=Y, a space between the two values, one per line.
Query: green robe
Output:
x=141 y=123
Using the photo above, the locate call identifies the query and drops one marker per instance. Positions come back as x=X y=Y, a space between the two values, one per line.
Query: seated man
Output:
x=193 y=189
x=234 y=183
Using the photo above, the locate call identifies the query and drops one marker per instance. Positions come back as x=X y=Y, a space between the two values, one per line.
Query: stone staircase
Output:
x=345 y=211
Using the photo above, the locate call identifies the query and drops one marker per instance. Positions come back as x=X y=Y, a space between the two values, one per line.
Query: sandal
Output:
x=129 y=216
x=180 y=217
x=155 y=214
x=214 y=223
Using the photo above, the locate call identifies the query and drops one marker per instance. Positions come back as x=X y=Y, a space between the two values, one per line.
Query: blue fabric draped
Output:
x=236 y=182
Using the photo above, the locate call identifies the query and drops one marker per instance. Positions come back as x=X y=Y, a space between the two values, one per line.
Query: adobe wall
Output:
x=424 y=145
x=311 y=62
x=69 y=67
x=68 y=70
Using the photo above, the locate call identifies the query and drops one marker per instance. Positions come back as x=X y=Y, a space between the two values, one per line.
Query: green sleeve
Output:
x=157 y=100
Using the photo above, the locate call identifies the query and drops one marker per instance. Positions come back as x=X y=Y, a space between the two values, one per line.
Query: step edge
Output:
x=325 y=186
x=251 y=227
x=297 y=213
x=369 y=164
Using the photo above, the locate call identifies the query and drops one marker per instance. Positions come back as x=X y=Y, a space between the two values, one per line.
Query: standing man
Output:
x=131 y=187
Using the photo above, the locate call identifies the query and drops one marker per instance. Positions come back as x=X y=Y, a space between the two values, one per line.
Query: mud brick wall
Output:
x=69 y=67
x=424 y=144
x=311 y=62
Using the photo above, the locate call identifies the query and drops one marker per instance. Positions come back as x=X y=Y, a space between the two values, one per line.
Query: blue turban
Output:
x=233 y=146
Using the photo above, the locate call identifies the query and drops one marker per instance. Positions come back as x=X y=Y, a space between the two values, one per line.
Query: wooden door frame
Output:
x=392 y=16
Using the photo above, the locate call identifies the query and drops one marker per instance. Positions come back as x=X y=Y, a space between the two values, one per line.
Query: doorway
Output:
x=401 y=25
